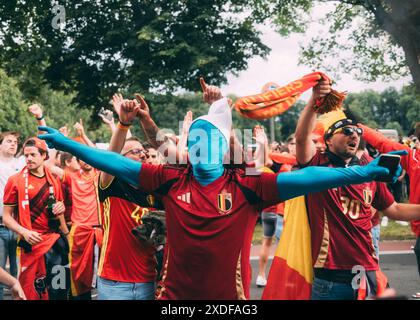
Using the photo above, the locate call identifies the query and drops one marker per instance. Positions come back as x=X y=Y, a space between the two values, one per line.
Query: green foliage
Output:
x=108 y=45
x=370 y=40
x=389 y=109
x=13 y=113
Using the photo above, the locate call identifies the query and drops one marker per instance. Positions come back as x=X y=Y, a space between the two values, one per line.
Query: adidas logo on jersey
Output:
x=186 y=197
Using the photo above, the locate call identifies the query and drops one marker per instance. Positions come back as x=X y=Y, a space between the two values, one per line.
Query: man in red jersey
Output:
x=132 y=275
x=340 y=218
x=27 y=197
x=84 y=232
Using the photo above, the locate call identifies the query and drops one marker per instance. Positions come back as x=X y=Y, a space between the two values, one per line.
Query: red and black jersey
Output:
x=123 y=257
x=341 y=221
x=38 y=192
x=209 y=229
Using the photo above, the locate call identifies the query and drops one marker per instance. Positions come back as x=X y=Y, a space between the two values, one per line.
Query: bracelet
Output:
x=40 y=118
x=123 y=126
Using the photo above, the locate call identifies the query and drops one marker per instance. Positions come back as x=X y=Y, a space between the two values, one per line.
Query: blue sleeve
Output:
x=110 y=162
x=314 y=179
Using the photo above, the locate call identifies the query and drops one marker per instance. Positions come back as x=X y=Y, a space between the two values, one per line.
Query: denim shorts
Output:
x=116 y=290
x=269 y=223
x=329 y=290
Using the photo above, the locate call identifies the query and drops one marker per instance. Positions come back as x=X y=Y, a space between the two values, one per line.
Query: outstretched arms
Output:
x=314 y=179
x=126 y=169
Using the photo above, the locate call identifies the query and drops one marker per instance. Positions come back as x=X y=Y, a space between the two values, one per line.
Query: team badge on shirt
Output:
x=367 y=196
x=224 y=201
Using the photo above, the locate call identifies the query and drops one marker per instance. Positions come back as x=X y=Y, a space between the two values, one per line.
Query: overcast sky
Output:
x=282 y=67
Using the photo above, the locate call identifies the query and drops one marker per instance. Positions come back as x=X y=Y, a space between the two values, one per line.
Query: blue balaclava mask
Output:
x=208 y=142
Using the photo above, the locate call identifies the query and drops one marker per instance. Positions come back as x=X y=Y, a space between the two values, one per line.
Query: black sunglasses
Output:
x=348 y=131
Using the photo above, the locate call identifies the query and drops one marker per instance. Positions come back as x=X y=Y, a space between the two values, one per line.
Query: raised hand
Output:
x=210 y=93
x=35 y=110
x=260 y=135
x=105 y=119
x=143 y=110
x=117 y=101
x=79 y=128
x=128 y=112
x=187 y=122
x=321 y=89
x=65 y=131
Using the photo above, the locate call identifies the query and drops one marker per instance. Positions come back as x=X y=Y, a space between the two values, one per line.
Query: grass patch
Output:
x=393 y=231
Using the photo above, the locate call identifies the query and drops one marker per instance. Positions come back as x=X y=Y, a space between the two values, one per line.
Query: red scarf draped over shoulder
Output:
x=32 y=269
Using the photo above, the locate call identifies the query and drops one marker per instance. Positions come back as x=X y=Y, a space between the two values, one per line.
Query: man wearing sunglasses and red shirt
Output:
x=340 y=218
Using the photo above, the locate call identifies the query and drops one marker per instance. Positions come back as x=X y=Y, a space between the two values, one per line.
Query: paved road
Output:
x=400 y=268
x=397 y=261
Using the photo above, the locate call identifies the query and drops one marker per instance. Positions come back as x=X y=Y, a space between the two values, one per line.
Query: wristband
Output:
x=40 y=118
x=123 y=126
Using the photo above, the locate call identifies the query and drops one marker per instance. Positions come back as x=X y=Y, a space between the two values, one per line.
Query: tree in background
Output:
x=107 y=45
x=13 y=111
x=389 y=109
x=370 y=39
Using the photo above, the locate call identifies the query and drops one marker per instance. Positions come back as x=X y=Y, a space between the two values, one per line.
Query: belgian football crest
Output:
x=224 y=201
x=367 y=196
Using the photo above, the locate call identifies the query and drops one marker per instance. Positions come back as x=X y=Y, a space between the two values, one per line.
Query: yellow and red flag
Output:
x=291 y=272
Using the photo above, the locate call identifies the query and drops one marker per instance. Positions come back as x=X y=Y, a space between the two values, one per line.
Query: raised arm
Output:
x=80 y=129
x=305 y=147
x=149 y=127
x=315 y=179
x=115 y=164
x=261 y=156
x=127 y=112
x=36 y=111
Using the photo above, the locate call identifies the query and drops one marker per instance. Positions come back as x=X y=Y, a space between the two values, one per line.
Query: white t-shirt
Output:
x=8 y=167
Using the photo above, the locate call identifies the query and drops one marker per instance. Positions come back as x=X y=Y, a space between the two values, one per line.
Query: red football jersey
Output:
x=85 y=203
x=123 y=257
x=38 y=192
x=68 y=199
x=209 y=230
x=341 y=222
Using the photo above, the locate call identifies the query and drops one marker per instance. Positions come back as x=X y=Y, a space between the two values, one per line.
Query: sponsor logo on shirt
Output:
x=186 y=197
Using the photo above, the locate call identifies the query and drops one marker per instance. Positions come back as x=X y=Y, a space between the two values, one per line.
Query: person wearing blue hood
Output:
x=210 y=209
